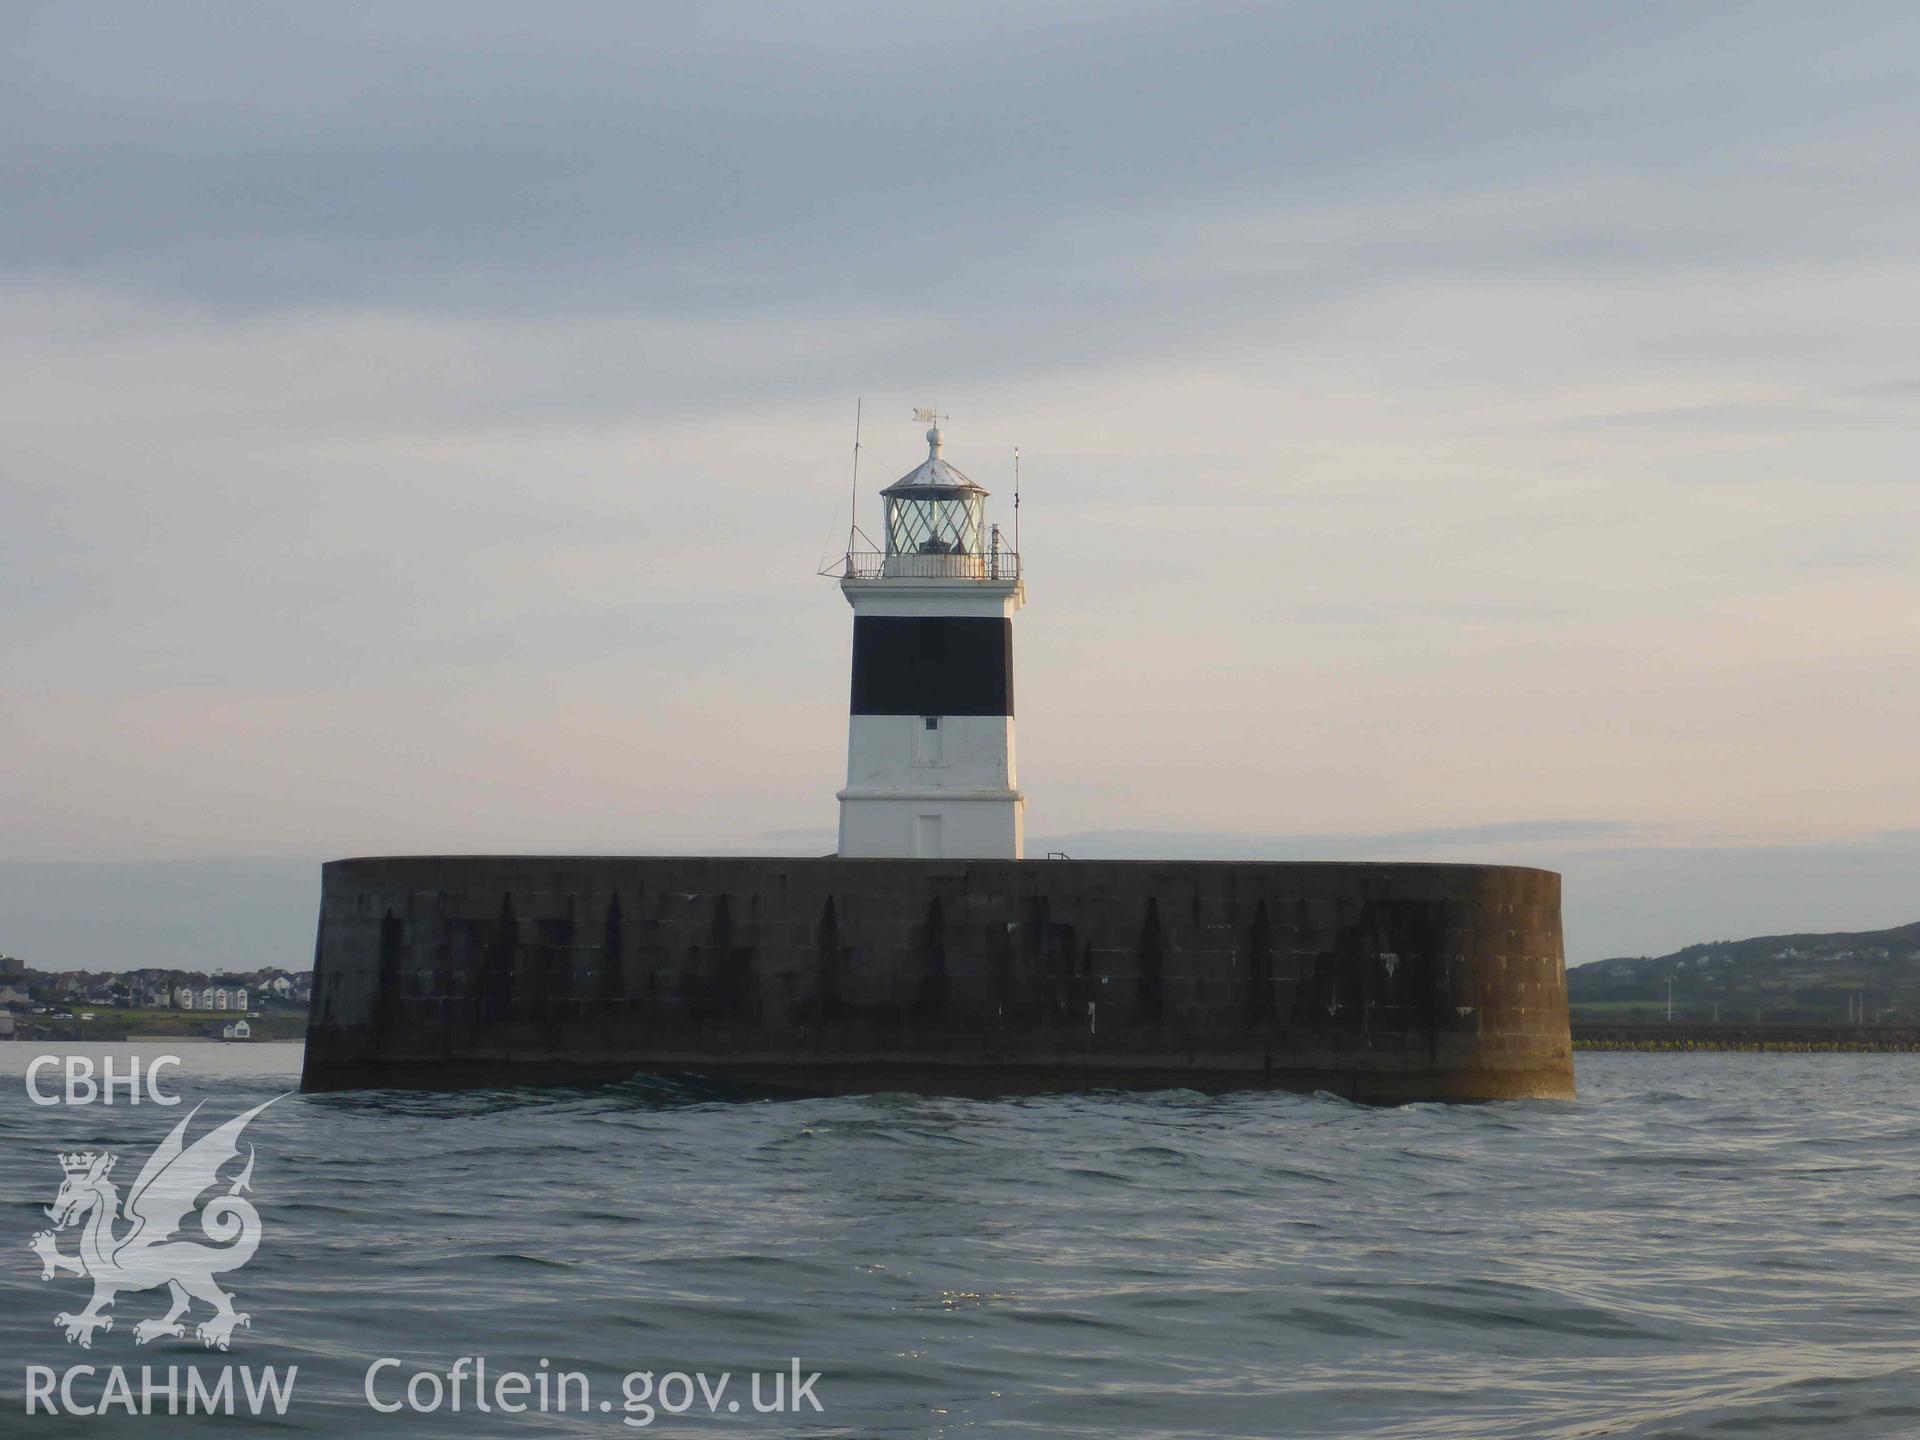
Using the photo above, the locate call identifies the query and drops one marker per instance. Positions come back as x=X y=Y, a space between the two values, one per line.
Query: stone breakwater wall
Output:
x=1385 y=982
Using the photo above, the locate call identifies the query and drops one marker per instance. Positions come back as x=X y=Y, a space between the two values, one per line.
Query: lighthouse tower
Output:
x=930 y=740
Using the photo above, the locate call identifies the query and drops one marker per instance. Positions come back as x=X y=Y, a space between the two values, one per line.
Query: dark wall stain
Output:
x=390 y=983
x=497 y=970
x=1259 y=1004
x=930 y=996
x=1149 y=991
x=827 y=1004
x=612 y=970
x=725 y=986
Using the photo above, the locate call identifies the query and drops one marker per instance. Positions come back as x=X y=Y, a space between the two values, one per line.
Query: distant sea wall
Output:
x=1699 y=1035
x=1387 y=982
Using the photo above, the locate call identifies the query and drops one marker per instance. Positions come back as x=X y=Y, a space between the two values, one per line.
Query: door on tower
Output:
x=926 y=837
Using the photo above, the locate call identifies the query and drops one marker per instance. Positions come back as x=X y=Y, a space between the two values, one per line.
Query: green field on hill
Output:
x=1861 y=977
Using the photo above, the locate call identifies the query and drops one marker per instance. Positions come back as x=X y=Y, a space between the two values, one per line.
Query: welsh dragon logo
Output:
x=145 y=1255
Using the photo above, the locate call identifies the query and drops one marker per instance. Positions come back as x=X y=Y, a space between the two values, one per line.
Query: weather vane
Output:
x=929 y=416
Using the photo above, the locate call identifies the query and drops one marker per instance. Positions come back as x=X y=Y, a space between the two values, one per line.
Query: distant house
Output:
x=185 y=999
x=240 y=998
x=12 y=997
x=236 y=1030
x=281 y=986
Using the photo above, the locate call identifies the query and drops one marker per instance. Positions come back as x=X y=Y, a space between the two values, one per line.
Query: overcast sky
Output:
x=1449 y=431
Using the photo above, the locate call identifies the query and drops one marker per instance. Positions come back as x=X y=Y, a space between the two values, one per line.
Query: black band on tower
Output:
x=932 y=665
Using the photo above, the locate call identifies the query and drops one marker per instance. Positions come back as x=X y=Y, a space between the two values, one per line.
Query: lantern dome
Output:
x=933 y=473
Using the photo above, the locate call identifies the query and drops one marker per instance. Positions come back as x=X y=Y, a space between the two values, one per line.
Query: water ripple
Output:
x=1701 y=1245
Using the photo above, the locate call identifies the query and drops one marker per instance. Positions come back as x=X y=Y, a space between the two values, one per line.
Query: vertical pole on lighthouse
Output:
x=853 y=510
x=1016 y=504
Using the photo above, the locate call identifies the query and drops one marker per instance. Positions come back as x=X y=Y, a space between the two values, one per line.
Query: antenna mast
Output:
x=853 y=509
x=1016 y=500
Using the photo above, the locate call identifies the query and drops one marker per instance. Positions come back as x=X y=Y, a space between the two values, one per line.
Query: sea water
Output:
x=1700 y=1245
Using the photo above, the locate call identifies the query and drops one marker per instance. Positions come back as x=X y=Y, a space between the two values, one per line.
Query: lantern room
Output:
x=935 y=519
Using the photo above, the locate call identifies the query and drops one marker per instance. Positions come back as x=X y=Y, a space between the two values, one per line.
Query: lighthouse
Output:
x=930 y=771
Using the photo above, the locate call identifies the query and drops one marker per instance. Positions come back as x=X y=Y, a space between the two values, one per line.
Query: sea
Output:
x=1710 y=1245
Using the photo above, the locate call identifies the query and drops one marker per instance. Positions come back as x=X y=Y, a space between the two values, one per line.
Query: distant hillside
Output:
x=1871 y=976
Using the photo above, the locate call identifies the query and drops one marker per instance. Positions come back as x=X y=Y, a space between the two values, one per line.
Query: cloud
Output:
x=1894 y=390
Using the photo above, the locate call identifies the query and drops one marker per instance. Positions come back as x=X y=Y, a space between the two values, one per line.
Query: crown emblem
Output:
x=80 y=1162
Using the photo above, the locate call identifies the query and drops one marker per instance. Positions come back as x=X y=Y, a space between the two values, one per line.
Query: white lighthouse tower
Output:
x=930 y=737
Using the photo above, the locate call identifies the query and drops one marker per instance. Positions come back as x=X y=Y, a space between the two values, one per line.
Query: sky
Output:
x=1466 y=432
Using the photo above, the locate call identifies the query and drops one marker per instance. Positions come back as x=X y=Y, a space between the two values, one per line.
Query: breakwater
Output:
x=1748 y=1036
x=1388 y=982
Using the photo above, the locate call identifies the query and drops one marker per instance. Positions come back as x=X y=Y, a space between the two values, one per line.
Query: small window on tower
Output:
x=926 y=741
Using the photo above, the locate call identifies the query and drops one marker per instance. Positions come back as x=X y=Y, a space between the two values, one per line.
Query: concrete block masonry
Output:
x=1380 y=982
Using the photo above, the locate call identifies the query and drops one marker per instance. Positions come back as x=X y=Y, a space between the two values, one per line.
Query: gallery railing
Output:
x=987 y=566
